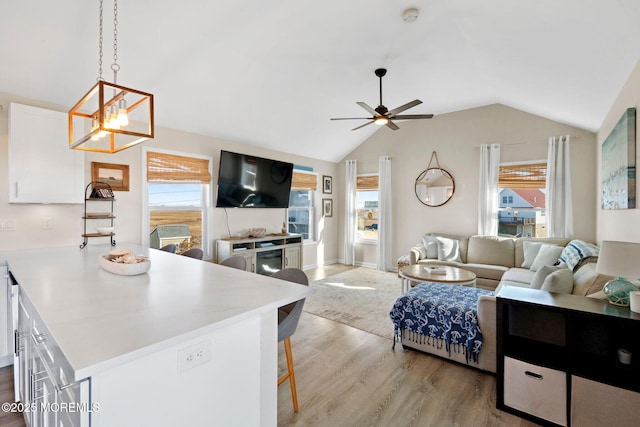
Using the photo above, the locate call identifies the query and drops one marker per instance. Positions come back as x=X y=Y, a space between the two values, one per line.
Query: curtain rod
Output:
x=367 y=159
x=537 y=141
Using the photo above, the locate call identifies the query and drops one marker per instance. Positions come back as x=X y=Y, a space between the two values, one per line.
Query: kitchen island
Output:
x=187 y=343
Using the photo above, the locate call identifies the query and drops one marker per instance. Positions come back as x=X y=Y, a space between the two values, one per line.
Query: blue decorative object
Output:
x=617 y=291
x=444 y=313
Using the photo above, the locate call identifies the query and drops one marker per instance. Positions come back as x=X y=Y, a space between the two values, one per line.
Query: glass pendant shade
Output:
x=109 y=124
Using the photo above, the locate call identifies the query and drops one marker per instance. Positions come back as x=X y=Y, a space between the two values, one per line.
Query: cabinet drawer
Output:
x=541 y=392
x=597 y=404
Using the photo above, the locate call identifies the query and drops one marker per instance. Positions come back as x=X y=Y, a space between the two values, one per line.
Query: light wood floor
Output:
x=347 y=377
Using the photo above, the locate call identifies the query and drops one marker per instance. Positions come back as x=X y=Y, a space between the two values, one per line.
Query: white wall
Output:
x=619 y=224
x=67 y=222
x=456 y=137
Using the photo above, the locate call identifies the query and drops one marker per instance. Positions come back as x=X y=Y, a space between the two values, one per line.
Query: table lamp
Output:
x=621 y=260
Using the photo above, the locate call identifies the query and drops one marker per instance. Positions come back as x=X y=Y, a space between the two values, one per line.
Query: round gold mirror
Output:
x=434 y=187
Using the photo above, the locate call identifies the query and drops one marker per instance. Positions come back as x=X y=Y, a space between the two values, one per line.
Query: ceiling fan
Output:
x=383 y=116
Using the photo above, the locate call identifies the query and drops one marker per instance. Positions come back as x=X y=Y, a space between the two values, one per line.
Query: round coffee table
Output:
x=446 y=274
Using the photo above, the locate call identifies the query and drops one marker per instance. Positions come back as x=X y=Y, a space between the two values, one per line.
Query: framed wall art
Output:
x=327 y=207
x=117 y=176
x=327 y=184
x=618 y=173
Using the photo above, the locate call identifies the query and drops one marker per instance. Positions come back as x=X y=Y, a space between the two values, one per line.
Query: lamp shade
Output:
x=619 y=259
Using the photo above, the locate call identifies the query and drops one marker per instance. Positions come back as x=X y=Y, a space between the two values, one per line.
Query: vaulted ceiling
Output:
x=272 y=73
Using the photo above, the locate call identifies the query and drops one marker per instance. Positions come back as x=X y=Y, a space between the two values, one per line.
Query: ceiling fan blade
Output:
x=413 y=116
x=392 y=125
x=361 y=126
x=406 y=106
x=351 y=118
x=369 y=109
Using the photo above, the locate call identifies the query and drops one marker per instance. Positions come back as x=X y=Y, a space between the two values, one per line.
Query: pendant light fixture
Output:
x=110 y=117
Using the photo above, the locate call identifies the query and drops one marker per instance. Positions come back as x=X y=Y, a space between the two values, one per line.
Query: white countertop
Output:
x=101 y=320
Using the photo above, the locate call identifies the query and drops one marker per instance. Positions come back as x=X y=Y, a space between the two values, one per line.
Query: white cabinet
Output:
x=45 y=378
x=293 y=256
x=42 y=168
x=6 y=330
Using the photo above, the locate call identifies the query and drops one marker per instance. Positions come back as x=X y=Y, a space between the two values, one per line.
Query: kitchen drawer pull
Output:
x=66 y=386
x=40 y=338
x=533 y=375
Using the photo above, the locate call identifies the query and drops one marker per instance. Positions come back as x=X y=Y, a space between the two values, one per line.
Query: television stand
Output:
x=264 y=255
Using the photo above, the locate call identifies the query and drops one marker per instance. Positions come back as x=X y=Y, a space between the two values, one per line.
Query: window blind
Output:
x=162 y=167
x=523 y=176
x=369 y=182
x=304 y=181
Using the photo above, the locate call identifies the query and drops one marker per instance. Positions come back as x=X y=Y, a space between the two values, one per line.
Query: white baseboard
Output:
x=6 y=360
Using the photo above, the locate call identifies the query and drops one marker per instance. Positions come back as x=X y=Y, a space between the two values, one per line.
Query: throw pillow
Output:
x=421 y=250
x=531 y=249
x=431 y=246
x=448 y=249
x=547 y=255
x=540 y=276
x=560 y=281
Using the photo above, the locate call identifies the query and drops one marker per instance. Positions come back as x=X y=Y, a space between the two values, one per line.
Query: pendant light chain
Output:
x=115 y=67
x=100 y=45
x=101 y=117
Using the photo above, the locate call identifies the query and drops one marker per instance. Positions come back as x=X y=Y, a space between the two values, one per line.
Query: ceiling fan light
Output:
x=381 y=121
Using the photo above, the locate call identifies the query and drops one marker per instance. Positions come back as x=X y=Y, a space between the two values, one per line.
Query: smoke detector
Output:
x=410 y=15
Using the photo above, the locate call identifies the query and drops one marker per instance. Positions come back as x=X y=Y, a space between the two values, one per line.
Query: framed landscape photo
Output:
x=327 y=184
x=327 y=207
x=117 y=176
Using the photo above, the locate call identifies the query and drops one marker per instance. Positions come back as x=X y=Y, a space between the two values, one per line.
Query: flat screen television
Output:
x=252 y=182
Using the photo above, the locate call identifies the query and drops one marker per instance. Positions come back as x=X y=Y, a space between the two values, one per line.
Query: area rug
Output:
x=360 y=298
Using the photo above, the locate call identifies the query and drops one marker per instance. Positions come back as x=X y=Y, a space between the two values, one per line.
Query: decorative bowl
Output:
x=104 y=230
x=123 y=269
x=257 y=232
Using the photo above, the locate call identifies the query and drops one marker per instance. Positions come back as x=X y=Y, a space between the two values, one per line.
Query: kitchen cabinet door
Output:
x=42 y=168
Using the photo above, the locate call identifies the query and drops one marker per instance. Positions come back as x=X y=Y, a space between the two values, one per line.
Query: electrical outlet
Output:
x=7 y=224
x=47 y=223
x=193 y=356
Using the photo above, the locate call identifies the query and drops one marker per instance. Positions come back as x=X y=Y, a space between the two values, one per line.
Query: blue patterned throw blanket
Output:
x=576 y=251
x=443 y=313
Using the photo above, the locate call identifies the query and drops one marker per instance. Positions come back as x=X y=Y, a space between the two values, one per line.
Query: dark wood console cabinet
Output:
x=558 y=359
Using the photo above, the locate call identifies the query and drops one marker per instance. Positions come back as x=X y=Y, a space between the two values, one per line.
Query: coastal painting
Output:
x=117 y=176
x=618 y=177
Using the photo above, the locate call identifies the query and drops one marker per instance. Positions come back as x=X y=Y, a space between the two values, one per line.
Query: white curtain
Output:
x=488 y=189
x=350 y=213
x=559 y=206
x=385 y=224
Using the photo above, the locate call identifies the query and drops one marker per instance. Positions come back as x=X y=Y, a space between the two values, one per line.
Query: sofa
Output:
x=498 y=262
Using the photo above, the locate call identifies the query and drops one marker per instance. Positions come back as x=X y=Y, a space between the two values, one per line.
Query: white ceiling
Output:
x=272 y=73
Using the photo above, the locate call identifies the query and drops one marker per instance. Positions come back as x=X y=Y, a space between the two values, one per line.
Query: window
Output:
x=367 y=207
x=522 y=192
x=178 y=200
x=301 y=211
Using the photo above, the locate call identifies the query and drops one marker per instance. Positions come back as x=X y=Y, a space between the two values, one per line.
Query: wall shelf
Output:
x=97 y=192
